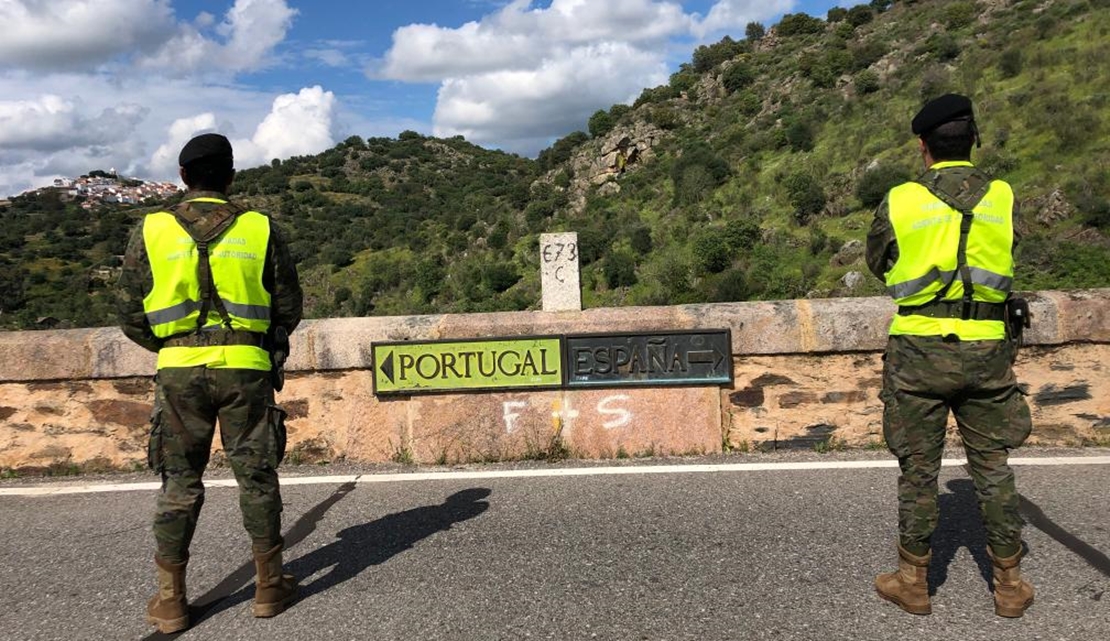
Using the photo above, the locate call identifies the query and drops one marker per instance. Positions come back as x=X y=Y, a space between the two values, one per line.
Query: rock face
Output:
x=852 y=280
x=1049 y=210
x=851 y=252
x=602 y=162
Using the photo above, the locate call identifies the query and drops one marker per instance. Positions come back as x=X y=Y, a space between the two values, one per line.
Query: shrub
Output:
x=934 y=83
x=620 y=269
x=600 y=123
x=1010 y=63
x=641 y=240
x=738 y=76
x=732 y=285
x=711 y=251
x=499 y=277
x=617 y=111
x=868 y=53
x=754 y=31
x=836 y=14
x=866 y=82
x=806 y=195
x=877 y=181
x=682 y=81
x=800 y=134
x=561 y=151
x=697 y=172
x=742 y=233
x=959 y=14
x=664 y=117
x=793 y=24
x=748 y=103
x=706 y=57
x=942 y=46
x=860 y=15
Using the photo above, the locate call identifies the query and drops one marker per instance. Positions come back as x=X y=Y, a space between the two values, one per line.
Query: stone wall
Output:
x=807 y=374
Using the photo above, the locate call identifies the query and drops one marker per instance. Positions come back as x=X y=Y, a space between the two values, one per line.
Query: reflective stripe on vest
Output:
x=928 y=235
x=238 y=257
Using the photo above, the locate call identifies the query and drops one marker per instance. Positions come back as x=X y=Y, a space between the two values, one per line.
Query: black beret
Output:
x=205 y=146
x=938 y=111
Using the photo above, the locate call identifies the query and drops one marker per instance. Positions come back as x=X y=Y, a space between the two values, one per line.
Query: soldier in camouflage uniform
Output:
x=207 y=284
x=943 y=244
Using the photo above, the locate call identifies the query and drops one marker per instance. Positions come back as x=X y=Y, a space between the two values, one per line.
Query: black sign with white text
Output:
x=664 y=358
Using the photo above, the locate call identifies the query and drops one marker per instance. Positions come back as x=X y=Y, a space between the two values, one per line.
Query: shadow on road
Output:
x=356 y=549
x=960 y=525
x=362 y=546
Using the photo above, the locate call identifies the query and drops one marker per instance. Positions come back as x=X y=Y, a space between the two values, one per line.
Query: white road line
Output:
x=57 y=490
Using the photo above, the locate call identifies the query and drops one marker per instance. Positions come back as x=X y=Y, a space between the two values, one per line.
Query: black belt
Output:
x=955 y=309
x=215 y=337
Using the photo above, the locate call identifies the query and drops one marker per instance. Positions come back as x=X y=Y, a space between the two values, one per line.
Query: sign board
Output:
x=662 y=358
x=412 y=367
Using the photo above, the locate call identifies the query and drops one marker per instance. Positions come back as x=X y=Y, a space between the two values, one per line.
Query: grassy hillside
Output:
x=754 y=176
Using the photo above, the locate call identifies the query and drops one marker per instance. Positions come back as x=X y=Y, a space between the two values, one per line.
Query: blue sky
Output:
x=88 y=84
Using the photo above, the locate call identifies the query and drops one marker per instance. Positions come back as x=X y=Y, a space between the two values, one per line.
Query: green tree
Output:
x=755 y=31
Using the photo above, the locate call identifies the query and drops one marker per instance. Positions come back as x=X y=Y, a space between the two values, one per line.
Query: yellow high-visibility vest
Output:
x=238 y=257
x=928 y=236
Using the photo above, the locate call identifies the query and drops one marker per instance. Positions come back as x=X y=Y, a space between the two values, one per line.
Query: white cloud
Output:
x=298 y=124
x=60 y=35
x=52 y=123
x=735 y=15
x=164 y=161
x=73 y=74
x=523 y=75
x=250 y=31
x=522 y=110
x=520 y=37
x=71 y=34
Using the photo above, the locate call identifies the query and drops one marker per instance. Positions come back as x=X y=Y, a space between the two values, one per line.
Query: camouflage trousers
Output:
x=188 y=403
x=925 y=377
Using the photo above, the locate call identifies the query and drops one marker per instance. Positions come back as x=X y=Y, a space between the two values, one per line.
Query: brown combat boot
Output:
x=1012 y=594
x=908 y=587
x=168 y=609
x=273 y=590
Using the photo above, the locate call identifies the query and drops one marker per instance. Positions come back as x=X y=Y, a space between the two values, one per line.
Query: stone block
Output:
x=339 y=417
x=464 y=428
x=629 y=422
x=559 y=272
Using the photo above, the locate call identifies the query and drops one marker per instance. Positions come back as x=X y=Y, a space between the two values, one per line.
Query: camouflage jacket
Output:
x=279 y=277
x=960 y=182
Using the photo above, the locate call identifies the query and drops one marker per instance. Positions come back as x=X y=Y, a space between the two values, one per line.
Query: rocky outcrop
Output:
x=601 y=162
x=1049 y=209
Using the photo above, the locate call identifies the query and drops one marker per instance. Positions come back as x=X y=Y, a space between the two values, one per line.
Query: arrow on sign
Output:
x=387 y=367
x=711 y=356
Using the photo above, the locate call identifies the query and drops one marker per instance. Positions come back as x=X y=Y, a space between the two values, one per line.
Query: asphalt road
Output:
x=738 y=554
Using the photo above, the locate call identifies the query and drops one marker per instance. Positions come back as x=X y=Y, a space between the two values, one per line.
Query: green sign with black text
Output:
x=411 y=367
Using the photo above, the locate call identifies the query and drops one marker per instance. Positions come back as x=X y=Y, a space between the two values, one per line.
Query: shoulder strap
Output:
x=203 y=230
x=931 y=182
